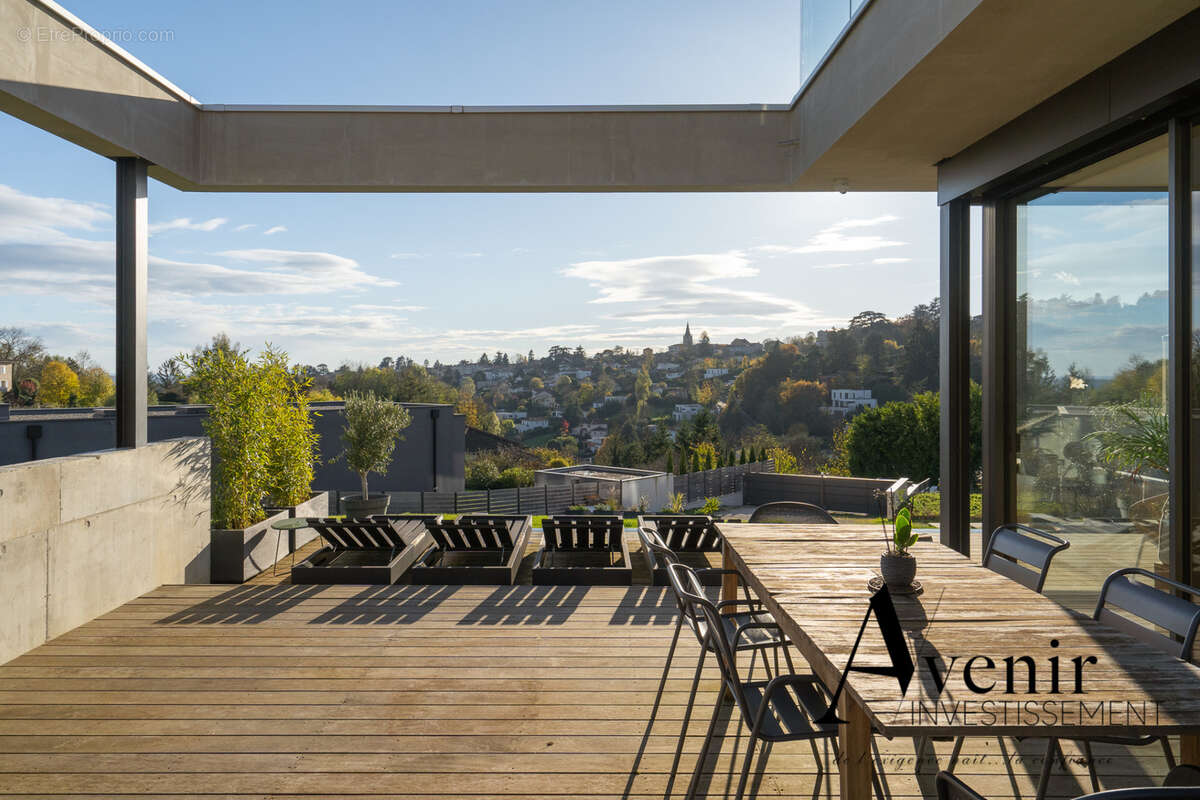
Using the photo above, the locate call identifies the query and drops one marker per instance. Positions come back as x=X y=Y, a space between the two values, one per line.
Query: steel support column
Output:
x=955 y=476
x=1179 y=402
x=999 y=364
x=132 y=247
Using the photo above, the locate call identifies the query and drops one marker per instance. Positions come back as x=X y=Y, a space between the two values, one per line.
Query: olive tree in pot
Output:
x=373 y=426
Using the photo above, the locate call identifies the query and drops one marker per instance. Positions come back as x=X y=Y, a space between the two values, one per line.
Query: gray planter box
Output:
x=244 y=552
x=315 y=506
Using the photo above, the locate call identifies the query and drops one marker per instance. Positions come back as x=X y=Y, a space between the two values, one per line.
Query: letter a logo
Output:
x=893 y=636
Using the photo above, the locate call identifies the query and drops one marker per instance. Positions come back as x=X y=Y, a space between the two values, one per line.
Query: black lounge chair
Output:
x=689 y=536
x=792 y=511
x=373 y=550
x=580 y=550
x=475 y=549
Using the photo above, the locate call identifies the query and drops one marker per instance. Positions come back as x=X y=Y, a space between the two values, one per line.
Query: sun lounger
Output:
x=581 y=550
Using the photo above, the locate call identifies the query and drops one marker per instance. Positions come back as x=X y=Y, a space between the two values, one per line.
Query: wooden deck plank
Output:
x=463 y=692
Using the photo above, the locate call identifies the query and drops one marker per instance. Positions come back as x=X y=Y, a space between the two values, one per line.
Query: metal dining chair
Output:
x=1013 y=546
x=754 y=630
x=1145 y=608
x=1023 y=554
x=782 y=709
x=1182 y=782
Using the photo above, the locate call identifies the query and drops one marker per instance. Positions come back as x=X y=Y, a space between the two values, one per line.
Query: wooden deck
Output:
x=431 y=691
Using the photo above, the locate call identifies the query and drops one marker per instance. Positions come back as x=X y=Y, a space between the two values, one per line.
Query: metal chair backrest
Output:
x=655 y=544
x=1013 y=546
x=583 y=533
x=687 y=533
x=710 y=628
x=477 y=533
x=358 y=534
x=1153 y=606
x=1146 y=793
x=951 y=788
x=792 y=511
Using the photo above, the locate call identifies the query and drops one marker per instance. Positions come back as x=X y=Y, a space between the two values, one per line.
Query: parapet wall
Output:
x=84 y=534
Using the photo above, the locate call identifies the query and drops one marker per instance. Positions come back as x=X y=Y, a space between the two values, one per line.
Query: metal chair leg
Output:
x=1047 y=766
x=958 y=743
x=712 y=726
x=1168 y=752
x=751 y=744
x=1091 y=764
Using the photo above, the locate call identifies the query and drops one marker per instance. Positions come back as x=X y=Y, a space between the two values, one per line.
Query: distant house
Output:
x=846 y=401
x=686 y=411
x=743 y=347
x=544 y=399
x=616 y=399
x=513 y=415
x=6 y=376
x=527 y=425
x=715 y=372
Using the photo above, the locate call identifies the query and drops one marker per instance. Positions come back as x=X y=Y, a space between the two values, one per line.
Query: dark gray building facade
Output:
x=429 y=456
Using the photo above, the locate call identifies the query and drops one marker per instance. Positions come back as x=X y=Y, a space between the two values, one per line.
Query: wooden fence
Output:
x=524 y=500
x=718 y=482
x=852 y=495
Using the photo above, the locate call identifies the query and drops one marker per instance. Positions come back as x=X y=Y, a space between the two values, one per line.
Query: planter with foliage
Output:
x=264 y=449
x=373 y=426
x=898 y=566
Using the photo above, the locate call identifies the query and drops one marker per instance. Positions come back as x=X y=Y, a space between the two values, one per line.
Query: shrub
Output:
x=785 y=462
x=927 y=506
x=292 y=446
x=711 y=506
x=239 y=426
x=675 y=506
x=513 y=477
x=482 y=474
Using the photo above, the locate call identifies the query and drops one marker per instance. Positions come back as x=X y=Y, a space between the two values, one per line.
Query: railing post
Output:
x=546 y=498
x=455 y=502
x=421 y=501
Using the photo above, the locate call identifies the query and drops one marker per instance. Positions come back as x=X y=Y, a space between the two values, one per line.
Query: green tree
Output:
x=670 y=468
x=96 y=387
x=59 y=385
x=373 y=425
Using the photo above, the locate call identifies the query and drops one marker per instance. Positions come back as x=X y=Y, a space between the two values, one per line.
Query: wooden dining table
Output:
x=814 y=580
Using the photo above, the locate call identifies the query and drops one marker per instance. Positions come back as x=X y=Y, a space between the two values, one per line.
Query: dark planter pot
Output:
x=242 y=553
x=355 y=506
x=898 y=569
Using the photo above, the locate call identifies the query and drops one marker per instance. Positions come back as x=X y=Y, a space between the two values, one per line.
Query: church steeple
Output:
x=687 y=335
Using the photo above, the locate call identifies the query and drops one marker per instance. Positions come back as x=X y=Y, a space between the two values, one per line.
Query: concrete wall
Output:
x=69 y=431
x=84 y=534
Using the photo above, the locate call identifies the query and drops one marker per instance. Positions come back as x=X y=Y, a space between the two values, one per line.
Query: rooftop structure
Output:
x=1074 y=114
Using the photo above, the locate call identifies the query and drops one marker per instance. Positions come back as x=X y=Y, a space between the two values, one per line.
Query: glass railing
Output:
x=822 y=23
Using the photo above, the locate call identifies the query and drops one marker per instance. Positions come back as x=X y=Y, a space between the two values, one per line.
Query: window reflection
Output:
x=1092 y=306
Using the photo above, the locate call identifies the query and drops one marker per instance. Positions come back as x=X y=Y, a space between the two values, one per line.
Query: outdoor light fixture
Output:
x=842 y=185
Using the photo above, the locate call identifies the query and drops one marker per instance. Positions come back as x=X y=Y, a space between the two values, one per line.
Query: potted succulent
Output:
x=373 y=426
x=898 y=566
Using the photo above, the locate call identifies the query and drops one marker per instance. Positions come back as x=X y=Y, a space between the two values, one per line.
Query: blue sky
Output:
x=335 y=278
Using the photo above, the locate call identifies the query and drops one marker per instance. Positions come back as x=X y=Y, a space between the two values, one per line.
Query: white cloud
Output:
x=274 y=230
x=245 y=227
x=685 y=287
x=186 y=224
x=834 y=239
x=830 y=266
x=407 y=256
x=27 y=218
x=1067 y=277
x=890 y=260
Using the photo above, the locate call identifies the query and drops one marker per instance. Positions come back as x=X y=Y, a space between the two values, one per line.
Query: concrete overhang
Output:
x=908 y=84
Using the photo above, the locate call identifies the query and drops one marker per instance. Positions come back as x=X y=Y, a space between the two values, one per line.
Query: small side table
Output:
x=291 y=525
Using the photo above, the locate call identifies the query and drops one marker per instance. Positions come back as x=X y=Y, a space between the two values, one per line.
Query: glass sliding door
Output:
x=1091 y=342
